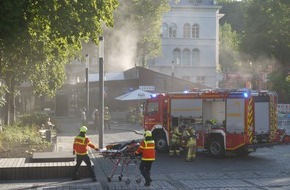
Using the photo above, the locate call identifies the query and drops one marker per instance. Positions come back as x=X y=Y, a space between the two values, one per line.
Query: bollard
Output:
x=48 y=135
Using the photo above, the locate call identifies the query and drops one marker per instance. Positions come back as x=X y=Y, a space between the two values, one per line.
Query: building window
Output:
x=195 y=56
x=164 y=30
x=177 y=56
x=195 y=31
x=172 y=30
x=186 y=57
x=200 y=80
x=186 y=31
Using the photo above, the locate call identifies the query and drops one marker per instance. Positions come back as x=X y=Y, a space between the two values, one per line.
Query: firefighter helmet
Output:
x=147 y=134
x=83 y=129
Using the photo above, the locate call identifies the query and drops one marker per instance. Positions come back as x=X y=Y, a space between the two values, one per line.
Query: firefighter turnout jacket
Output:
x=147 y=149
x=81 y=144
x=107 y=114
x=190 y=137
x=177 y=134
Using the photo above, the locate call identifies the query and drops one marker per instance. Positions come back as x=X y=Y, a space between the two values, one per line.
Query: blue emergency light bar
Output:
x=239 y=94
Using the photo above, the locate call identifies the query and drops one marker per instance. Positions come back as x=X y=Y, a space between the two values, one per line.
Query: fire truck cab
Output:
x=225 y=120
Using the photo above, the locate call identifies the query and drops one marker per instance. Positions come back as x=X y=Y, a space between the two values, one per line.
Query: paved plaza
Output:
x=195 y=180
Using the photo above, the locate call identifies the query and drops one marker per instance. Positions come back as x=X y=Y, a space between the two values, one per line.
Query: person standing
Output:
x=80 y=148
x=175 y=141
x=190 y=139
x=147 y=150
x=84 y=117
x=95 y=117
x=107 y=118
x=49 y=124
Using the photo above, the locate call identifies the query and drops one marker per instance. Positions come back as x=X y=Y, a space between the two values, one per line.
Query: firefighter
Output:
x=80 y=148
x=147 y=150
x=107 y=118
x=190 y=140
x=176 y=139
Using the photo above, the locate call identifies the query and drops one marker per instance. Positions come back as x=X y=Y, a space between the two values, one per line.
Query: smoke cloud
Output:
x=121 y=51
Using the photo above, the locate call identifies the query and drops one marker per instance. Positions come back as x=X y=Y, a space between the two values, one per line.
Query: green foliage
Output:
x=37 y=39
x=267 y=29
x=229 y=44
x=233 y=14
x=280 y=84
x=33 y=119
x=267 y=34
x=16 y=135
x=146 y=17
x=3 y=90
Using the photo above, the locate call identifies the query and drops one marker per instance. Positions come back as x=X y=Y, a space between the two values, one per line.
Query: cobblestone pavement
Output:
x=162 y=179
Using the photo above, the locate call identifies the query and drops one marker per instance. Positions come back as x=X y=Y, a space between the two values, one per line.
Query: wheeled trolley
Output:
x=122 y=155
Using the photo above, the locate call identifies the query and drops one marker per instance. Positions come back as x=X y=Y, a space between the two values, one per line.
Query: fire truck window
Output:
x=152 y=108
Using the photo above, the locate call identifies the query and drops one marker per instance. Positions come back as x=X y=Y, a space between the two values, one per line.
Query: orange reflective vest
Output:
x=147 y=148
x=81 y=145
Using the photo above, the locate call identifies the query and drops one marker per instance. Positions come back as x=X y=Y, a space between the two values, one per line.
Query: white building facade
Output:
x=190 y=39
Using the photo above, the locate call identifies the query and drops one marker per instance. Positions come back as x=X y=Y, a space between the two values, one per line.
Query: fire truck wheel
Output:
x=161 y=143
x=216 y=148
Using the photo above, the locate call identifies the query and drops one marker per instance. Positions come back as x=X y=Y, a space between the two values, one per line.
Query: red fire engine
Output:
x=224 y=120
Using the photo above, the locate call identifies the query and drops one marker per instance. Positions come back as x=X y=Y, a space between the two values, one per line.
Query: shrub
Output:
x=33 y=119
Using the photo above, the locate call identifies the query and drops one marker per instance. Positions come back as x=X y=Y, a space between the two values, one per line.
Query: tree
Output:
x=233 y=14
x=228 y=47
x=37 y=38
x=267 y=34
x=138 y=24
x=148 y=21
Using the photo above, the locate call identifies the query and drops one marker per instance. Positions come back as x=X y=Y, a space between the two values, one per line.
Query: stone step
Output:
x=24 y=169
x=53 y=157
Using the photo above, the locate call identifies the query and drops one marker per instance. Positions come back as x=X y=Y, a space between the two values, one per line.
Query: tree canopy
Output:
x=37 y=38
x=267 y=35
x=137 y=31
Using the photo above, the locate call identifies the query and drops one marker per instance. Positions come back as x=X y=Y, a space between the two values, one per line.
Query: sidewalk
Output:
x=206 y=180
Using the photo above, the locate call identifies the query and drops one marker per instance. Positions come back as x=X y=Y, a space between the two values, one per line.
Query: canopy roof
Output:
x=135 y=95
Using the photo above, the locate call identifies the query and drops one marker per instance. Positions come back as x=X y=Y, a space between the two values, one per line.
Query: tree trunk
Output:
x=6 y=110
x=10 y=104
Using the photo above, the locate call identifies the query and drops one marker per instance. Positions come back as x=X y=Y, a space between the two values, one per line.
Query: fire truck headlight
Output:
x=153 y=95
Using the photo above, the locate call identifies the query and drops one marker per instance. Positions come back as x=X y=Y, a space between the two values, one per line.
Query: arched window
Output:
x=195 y=56
x=186 y=57
x=172 y=30
x=195 y=31
x=176 y=56
x=164 y=30
x=186 y=31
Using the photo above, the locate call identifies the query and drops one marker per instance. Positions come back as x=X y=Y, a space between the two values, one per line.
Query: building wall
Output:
x=206 y=15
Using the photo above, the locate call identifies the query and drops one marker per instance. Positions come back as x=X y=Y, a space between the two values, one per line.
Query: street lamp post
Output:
x=87 y=86
x=101 y=91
